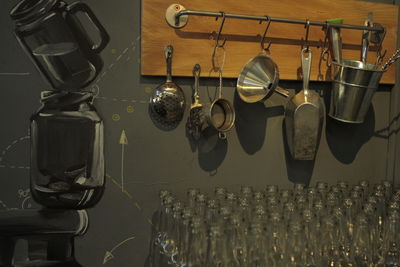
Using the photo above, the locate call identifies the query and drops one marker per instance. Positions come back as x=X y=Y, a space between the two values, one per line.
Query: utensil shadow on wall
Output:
x=346 y=139
x=251 y=122
x=298 y=171
x=211 y=150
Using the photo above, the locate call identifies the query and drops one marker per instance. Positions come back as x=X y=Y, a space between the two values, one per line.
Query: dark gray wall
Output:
x=253 y=154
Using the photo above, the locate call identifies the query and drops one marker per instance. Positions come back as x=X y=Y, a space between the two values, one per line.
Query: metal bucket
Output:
x=354 y=84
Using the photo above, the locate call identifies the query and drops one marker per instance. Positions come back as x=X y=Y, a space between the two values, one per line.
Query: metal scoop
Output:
x=304 y=116
x=168 y=100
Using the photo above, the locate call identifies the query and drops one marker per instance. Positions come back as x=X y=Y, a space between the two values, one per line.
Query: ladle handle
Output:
x=306 y=57
x=196 y=73
x=169 y=51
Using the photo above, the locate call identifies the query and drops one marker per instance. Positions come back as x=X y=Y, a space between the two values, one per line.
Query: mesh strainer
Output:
x=167 y=103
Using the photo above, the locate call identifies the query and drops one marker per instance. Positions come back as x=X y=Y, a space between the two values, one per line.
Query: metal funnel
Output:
x=258 y=77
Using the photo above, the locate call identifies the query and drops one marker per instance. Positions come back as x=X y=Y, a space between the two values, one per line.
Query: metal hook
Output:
x=307 y=26
x=379 y=53
x=265 y=33
x=217 y=44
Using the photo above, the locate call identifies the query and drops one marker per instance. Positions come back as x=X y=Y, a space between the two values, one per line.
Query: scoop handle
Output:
x=169 y=51
x=306 y=58
x=336 y=43
x=365 y=39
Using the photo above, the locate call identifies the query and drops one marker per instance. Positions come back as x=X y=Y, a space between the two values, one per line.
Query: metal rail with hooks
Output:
x=177 y=17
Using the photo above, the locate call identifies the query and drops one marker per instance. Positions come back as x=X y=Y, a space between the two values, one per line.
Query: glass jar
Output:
x=67 y=160
x=54 y=38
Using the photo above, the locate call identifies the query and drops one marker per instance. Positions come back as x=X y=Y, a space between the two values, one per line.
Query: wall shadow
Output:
x=251 y=123
x=298 y=171
x=346 y=139
x=211 y=150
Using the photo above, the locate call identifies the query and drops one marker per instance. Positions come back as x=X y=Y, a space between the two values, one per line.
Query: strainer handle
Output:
x=169 y=51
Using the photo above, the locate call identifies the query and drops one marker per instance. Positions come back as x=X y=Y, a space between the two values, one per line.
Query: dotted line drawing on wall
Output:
x=122 y=100
x=13 y=143
x=96 y=87
x=14 y=74
x=129 y=195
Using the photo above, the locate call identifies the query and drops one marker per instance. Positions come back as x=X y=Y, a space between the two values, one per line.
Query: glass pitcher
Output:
x=67 y=161
x=55 y=39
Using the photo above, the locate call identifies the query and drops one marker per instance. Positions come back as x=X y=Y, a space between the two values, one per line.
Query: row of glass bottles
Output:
x=337 y=225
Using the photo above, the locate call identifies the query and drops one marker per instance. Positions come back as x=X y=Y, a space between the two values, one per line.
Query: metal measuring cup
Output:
x=220 y=113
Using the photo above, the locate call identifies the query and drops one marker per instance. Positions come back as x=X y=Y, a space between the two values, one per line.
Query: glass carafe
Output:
x=67 y=160
x=58 y=44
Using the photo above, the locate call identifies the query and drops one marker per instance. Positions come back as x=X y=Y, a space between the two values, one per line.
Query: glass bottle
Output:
x=295 y=249
x=329 y=242
x=217 y=255
x=201 y=204
x=171 y=247
x=211 y=213
x=362 y=253
x=312 y=249
x=256 y=245
x=391 y=245
x=237 y=240
x=220 y=194
x=186 y=231
x=198 y=244
x=276 y=237
x=67 y=157
x=191 y=195
x=155 y=242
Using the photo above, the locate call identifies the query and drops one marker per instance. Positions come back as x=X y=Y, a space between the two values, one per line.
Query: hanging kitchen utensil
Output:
x=377 y=39
x=354 y=84
x=168 y=100
x=304 y=115
x=196 y=114
x=365 y=39
x=336 y=40
x=220 y=113
x=260 y=75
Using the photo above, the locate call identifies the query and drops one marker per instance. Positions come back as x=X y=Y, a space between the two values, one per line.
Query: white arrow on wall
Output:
x=123 y=141
x=109 y=254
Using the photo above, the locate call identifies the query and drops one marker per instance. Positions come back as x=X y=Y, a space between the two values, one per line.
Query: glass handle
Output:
x=81 y=7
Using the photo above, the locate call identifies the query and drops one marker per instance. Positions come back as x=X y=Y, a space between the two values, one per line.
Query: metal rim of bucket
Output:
x=355 y=85
x=347 y=121
x=343 y=65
